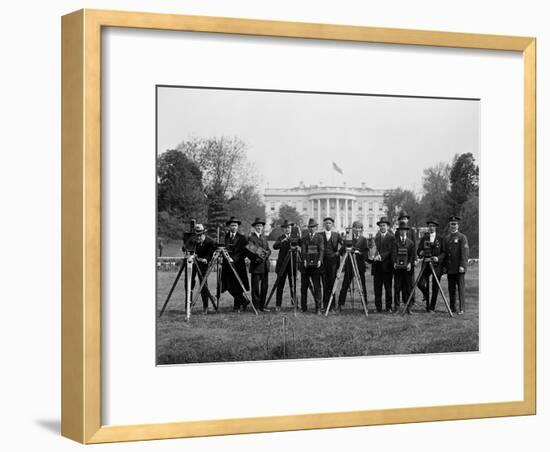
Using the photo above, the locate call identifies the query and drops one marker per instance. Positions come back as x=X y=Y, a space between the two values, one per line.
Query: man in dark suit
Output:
x=283 y=244
x=360 y=249
x=456 y=262
x=259 y=267
x=433 y=242
x=314 y=270
x=412 y=234
x=332 y=242
x=403 y=249
x=382 y=265
x=235 y=242
x=204 y=249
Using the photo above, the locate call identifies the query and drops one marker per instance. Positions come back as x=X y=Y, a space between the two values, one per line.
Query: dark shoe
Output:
x=205 y=311
x=243 y=308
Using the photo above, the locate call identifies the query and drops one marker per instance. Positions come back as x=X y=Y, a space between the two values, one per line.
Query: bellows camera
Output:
x=348 y=238
x=312 y=255
x=189 y=236
x=427 y=250
x=402 y=259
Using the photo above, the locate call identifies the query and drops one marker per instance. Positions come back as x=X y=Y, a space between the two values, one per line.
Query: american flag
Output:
x=336 y=168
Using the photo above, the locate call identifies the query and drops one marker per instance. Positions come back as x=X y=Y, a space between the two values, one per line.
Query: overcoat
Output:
x=385 y=248
x=236 y=249
x=456 y=252
x=257 y=265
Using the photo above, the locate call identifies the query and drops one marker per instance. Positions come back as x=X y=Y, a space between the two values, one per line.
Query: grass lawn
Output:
x=231 y=336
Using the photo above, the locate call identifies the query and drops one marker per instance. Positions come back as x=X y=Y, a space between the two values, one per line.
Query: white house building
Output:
x=344 y=204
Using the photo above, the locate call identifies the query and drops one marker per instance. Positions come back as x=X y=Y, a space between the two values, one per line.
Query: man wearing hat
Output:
x=412 y=234
x=235 y=242
x=259 y=267
x=283 y=245
x=433 y=242
x=382 y=265
x=331 y=261
x=402 y=246
x=312 y=272
x=204 y=249
x=456 y=261
x=360 y=250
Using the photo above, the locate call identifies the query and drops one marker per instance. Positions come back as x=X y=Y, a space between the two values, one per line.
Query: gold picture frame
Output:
x=81 y=219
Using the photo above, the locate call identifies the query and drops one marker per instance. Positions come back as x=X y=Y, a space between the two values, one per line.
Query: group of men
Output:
x=393 y=258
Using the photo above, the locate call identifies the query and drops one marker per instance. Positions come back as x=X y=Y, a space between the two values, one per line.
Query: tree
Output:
x=435 y=201
x=227 y=177
x=464 y=179
x=179 y=192
x=246 y=204
x=470 y=223
x=289 y=213
x=397 y=200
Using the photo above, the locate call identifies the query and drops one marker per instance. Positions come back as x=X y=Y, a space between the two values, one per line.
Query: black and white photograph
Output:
x=308 y=225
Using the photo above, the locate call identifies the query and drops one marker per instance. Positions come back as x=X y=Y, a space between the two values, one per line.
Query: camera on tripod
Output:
x=294 y=236
x=427 y=249
x=190 y=238
x=348 y=238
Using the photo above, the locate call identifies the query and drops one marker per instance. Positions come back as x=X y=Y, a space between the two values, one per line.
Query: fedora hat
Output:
x=312 y=223
x=199 y=228
x=285 y=224
x=383 y=220
x=432 y=221
x=233 y=220
x=258 y=220
x=403 y=214
x=403 y=226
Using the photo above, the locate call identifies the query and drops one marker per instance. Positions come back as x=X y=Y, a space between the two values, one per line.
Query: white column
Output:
x=328 y=207
x=311 y=211
x=353 y=213
x=346 y=219
x=319 y=211
x=337 y=214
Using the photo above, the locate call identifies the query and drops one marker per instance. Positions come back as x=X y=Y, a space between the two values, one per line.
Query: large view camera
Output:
x=348 y=238
x=189 y=236
x=427 y=250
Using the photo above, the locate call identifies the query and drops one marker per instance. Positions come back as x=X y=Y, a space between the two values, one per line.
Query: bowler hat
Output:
x=258 y=220
x=403 y=226
x=328 y=219
x=432 y=221
x=357 y=224
x=311 y=223
x=232 y=220
x=454 y=218
x=383 y=220
x=403 y=214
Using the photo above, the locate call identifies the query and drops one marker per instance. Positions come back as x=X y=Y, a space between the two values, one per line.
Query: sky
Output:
x=384 y=142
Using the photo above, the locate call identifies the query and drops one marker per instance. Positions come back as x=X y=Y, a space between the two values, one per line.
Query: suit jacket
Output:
x=384 y=247
x=236 y=249
x=284 y=247
x=360 y=244
x=257 y=265
x=332 y=246
x=456 y=252
x=437 y=249
x=315 y=240
x=205 y=250
x=409 y=245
